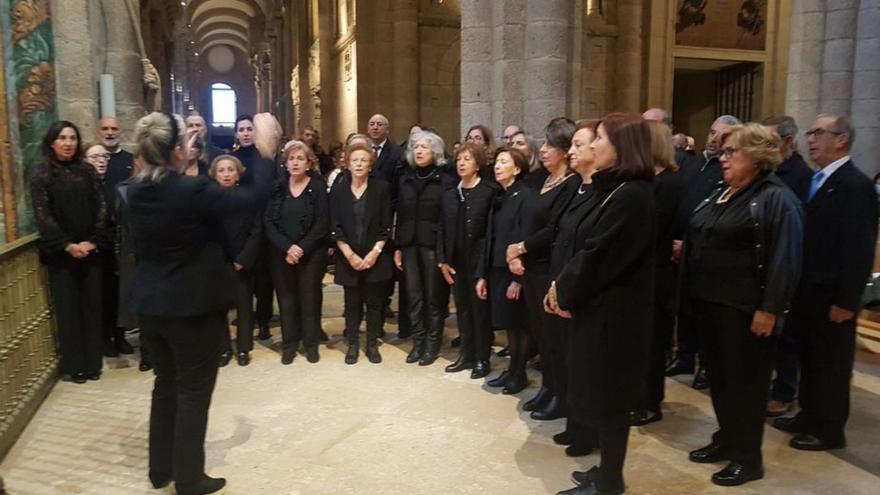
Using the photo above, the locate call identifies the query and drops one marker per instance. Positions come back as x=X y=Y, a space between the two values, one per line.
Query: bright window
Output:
x=224 y=104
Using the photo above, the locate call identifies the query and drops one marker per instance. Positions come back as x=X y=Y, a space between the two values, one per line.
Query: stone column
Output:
x=838 y=57
x=547 y=46
x=405 y=69
x=628 y=70
x=866 y=88
x=508 y=71
x=75 y=65
x=476 y=63
x=807 y=48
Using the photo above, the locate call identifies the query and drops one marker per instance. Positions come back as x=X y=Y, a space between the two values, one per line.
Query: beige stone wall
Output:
x=439 y=58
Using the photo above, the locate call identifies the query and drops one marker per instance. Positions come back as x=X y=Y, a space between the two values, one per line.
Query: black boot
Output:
x=122 y=345
x=539 y=400
x=432 y=352
x=481 y=369
x=418 y=349
x=108 y=349
x=205 y=486
x=553 y=410
x=501 y=380
x=462 y=363
x=351 y=356
x=516 y=384
x=264 y=333
x=373 y=352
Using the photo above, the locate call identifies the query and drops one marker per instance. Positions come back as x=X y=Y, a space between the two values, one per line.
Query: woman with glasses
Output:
x=748 y=235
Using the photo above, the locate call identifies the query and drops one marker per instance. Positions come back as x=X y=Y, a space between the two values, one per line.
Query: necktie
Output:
x=814 y=185
x=376 y=150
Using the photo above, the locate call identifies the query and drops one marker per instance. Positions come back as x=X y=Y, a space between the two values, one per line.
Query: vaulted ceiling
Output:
x=233 y=23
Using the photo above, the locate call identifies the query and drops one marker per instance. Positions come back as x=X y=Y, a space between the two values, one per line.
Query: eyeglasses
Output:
x=821 y=132
x=729 y=152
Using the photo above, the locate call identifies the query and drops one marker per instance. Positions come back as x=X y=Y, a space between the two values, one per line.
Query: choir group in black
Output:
x=593 y=251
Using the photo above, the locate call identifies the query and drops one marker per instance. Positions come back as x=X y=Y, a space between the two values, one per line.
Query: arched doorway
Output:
x=224 y=109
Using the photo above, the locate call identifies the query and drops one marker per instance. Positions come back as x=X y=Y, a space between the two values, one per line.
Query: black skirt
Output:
x=506 y=314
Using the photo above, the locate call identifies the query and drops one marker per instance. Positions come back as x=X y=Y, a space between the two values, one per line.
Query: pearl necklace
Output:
x=551 y=184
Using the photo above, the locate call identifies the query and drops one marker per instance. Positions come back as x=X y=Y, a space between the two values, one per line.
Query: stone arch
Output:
x=450 y=64
x=198 y=7
x=237 y=45
x=224 y=20
x=224 y=37
x=223 y=27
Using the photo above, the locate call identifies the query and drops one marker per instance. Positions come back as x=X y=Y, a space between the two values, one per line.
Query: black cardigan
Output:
x=378 y=228
x=477 y=216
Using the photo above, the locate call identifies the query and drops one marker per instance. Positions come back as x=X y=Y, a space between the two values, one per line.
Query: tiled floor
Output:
x=328 y=428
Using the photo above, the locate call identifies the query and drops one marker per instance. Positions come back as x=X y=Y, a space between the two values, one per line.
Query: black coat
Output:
x=668 y=190
x=316 y=220
x=477 y=216
x=244 y=236
x=608 y=285
x=119 y=168
x=389 y=167
x=840 y=234
x=182 y=269
x=540 y=217
x=795 y=173
x=418 y=208
x=251 y=159
x=700 y=176
x=505 y=226
x=566 y=243
x=378 y=220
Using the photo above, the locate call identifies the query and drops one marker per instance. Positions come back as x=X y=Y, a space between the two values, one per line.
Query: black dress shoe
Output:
x=93 y=375
x=145 y=366
x=701 y=380
x=225 y=357
x=806 y=441
x=646 y=417
x=735 y=474
x=415 y=354
x=205 y=486
x=708 y=454
x=312 y=355
x=588 y=477
x=564 y=438
x=680 y=366
x=456 y=342
x=504 y=352
x=578 y=450
x=794 y=424
x=160 y=482
x=351 y=356
x=428 y=358
x=539 y=401
x=108 y=349
x=589 y=489
x=243 y=358
x=460 y=364
x=553 y=410
x=264 y=333
x=481 y=370
x=373 y=354
x=500 y=380
x=515 y=384
x=287 y=356
x=78 y=378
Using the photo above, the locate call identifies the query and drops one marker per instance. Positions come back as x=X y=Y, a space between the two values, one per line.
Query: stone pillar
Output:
x=508 y=54
x=75 y=65
x=547 y=46
x=476 y=63
x=866 y=88
x=807 y=47
x=838 y=56
x=405 y=69
x=628 y=70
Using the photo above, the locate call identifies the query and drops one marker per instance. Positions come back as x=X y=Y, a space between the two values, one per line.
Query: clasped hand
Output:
x=551 y=303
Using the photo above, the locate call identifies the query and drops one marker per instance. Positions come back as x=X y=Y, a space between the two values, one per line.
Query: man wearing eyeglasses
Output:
x=840 y=232
x=700 y=177
x=509 y=132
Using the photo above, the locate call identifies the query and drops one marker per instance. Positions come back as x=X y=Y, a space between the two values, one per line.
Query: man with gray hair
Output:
x=840 y=235
x=509 y=132
x=795 y=173
x=700 y=177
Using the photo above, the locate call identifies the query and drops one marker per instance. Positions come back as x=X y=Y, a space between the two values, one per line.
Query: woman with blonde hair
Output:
x=748 y=235
x=297 y=223
x=180 y=294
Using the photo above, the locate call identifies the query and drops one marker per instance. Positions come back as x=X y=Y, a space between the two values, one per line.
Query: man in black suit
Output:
x=701 y=175
x=840 y=232
x=389 y=161
x=795 y=173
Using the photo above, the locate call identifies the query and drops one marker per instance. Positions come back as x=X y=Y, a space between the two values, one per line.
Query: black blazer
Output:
x=700 y=176
x=840 y=235
x=477 y=216
x=378 y=228
x=795 y=173
x=316 y=226
x=182 y=269
x=390 y=158
x=505 y=226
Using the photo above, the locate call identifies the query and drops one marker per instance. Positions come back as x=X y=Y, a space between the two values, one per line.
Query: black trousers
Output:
x=76 y=291
x=827 y=355
x=184 y=354
x=424 y=287
x=661 y=338
x=264 y=289
x=299 y=298
x=244 y=309
x=739 y=365
x=110 y=303
x=785 y=384
x=546 y=328
x=371 y=295
x=474 y=323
